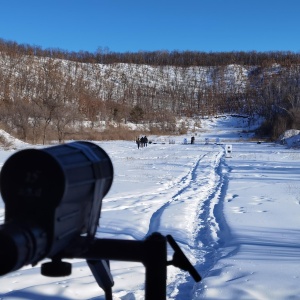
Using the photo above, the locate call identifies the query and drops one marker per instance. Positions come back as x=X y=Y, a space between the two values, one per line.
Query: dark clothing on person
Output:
x=142 y=141
x=145 y=141
x=138 y=142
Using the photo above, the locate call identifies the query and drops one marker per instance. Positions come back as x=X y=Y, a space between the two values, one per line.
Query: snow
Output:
x=236 y=219
x=291 y=138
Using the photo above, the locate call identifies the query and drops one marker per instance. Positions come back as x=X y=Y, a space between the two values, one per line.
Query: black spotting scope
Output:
x=53 y=200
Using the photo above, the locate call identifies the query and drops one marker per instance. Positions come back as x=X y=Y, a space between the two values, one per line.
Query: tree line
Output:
x=53 y=94
x=158 y=58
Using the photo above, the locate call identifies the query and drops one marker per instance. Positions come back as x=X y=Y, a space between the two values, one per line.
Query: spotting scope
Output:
x=53 y=200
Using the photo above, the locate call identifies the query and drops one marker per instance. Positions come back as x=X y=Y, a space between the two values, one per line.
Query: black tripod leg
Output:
x=101 y=272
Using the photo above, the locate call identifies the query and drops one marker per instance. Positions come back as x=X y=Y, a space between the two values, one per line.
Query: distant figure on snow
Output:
x=145 y=141
x=142 y=141
x=192 y=140
x=138 y=142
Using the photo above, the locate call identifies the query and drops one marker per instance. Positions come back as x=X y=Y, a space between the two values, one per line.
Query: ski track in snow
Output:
x=179 y=189
x=196 y=187
x=201 y=190
x=212 y=231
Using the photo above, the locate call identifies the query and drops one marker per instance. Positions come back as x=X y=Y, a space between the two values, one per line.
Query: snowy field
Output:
x=236 y=216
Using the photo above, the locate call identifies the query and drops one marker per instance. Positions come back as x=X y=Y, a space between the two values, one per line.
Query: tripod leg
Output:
x=101 y=272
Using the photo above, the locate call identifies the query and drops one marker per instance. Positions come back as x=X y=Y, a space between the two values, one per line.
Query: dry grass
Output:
x=108 y=134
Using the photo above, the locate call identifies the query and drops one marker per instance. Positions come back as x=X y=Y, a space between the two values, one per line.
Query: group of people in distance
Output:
x=142 y=142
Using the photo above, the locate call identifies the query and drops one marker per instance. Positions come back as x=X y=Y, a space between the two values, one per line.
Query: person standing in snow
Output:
x=145 y=141
x=138 y=142
x=142 y=141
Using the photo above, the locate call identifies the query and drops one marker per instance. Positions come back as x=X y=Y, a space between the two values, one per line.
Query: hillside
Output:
x=52 y=97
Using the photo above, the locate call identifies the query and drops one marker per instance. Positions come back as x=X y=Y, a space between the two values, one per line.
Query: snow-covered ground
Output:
x=235 y=215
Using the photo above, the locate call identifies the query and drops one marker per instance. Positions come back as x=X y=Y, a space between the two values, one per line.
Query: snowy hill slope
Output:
x=7 y=141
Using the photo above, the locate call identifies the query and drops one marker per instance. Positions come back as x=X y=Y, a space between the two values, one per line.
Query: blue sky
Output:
x=148 y=25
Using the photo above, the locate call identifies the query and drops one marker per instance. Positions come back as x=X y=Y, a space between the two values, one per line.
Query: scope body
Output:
x=52 y=197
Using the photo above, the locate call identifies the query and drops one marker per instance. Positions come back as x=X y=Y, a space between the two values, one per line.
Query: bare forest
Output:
x=53 y=94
